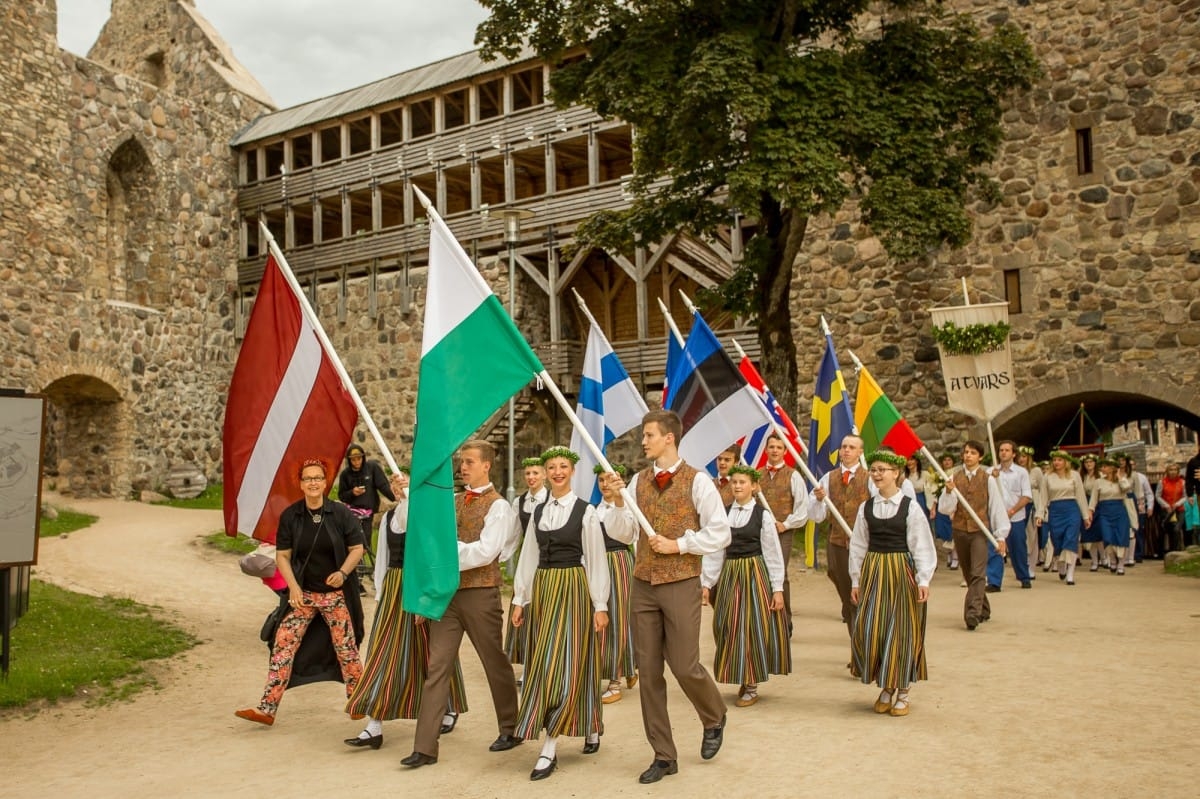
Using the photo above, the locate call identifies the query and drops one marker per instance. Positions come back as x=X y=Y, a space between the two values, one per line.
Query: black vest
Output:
x=746 y=542
x=887 y=535
x=612 y=544
x=523 y=514
x=561 y=548
x=395 y=542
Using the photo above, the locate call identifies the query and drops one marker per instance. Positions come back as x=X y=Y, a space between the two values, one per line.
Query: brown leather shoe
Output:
x=254 y=714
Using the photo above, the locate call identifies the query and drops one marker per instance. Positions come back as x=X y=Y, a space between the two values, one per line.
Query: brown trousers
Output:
x=785 y=545
x=477 y=612
x=972 y=551
x=666 y=627
x=837 y=564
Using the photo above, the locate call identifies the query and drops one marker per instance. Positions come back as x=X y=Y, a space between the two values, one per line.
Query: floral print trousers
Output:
x=332 y=607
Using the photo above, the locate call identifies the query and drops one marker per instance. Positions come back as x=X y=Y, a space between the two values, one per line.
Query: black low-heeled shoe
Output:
x=543 y=773
x=418 y=759
x=591 y=748
x=373 y=741
x=446 y=729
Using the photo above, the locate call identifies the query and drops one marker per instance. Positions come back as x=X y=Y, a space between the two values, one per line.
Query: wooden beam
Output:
x=531 y=270
x=577 y=262
x=683 y=267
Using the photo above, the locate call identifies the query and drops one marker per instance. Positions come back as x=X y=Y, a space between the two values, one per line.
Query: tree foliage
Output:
x=781 y=109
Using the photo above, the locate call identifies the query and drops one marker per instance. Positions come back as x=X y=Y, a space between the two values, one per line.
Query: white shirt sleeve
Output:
x=620 y=522
x=997 y=510
x=710 y=568
x=526 y=567
x=920 y=544
x=798 y=514
x=816 y=508
x=595 y=559
x=859 y=539
x=771 y=551
x=499 y=528
x=714 y=523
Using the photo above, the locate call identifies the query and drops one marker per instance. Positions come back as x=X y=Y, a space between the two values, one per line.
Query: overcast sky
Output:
x=304 y=49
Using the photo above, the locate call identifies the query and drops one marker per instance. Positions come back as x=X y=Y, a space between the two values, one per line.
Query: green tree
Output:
x=781 y=109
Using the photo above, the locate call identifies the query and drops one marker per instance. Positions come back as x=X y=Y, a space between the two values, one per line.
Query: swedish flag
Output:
x=832 y=416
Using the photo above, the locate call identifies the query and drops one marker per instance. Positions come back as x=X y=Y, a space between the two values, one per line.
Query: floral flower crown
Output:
x=890 y=458
x=1025 y=450
x=527 y=462
x=754 y=474
x=619 y=468
x=560 y=452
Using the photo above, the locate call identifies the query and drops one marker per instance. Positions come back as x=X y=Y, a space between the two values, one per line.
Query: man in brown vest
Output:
x=847 y=487
x=683 y=506
x=986 y=498
x=726 y=461
x=486 y=532
x=784 y=490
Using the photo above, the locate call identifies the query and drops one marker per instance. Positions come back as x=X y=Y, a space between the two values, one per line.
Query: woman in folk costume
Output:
x=398 y=653
x=1107 y=501
x=1090 y=536
x=562 y=577
x=1036 y=532
x=535 y=494
x=943 y=526
x=616 y=644
x=1067 y=512
x=750 y=625
x=892 y=560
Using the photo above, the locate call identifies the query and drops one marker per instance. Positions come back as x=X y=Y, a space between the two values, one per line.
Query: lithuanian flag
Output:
x=878 y=421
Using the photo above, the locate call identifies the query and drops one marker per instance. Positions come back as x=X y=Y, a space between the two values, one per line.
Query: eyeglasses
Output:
x=316 y=479
x=882 y=469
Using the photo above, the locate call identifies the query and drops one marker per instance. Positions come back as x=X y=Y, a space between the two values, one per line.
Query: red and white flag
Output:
x=754 y=445
x=285 y=404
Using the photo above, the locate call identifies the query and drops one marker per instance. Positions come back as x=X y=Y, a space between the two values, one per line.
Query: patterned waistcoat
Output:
x=670 y=512
x=847 y=499
x=726 y=491
x=470 y=517
x=778 y=491
x=976 y=492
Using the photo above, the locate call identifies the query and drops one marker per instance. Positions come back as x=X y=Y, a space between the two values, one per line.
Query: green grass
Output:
x=68 y=521
x=209 y=499
x=74 y=645
x=1187 y=568
x=238 y=546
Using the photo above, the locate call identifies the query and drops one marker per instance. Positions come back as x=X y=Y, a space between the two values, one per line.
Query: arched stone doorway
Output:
x=86 y=438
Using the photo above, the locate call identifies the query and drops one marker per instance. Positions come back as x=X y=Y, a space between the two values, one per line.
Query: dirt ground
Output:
x=1067 y=691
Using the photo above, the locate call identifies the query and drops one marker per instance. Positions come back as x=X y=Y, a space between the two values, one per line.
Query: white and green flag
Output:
x=473 y=359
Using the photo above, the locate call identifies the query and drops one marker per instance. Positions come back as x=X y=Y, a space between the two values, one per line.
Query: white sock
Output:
x=593 y=738
x=374 y=727
x=1070 y=572
x=550 y=748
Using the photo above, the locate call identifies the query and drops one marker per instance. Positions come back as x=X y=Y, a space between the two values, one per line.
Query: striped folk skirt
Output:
x=751 y=640
x=616 y=643
x=514 y=638
x=888 y=643
x=561 y=692
x=397 y=662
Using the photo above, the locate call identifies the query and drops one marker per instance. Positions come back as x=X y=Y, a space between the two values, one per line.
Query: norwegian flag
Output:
x=754 y=445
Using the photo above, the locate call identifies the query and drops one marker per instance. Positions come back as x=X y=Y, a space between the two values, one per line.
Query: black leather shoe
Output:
x=658 y=769
x=1027 y=584
x=373 y=741
x=712 y=741
x=591 y=748
x=418 y=759
x=504 y=743
x=993 y=589
x=972 y=622
x=446 y=729
x=543 y=773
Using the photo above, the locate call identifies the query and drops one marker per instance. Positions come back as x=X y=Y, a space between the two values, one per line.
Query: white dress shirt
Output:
x=772 y=554
x=713 y=535
x=1015 y=481
x=595 y=563
x=920 y=539
x=997 y=511
x=498 y=538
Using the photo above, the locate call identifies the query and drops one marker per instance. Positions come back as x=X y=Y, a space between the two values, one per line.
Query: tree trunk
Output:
x=785 y=231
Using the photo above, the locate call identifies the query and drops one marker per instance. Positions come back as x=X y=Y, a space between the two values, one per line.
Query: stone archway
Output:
x=1042 y=414
x=86 y=438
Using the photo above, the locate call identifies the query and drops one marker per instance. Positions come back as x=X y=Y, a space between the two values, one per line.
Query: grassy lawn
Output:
x=68 y=521
x=1188 y=568
x=238 y=546
x=74 y=645
x=210 y=499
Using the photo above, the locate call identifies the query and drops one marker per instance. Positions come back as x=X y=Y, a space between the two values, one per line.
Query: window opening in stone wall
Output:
x=1084 y=157
x=391 y=126
x=422 y=118
x=458 y=188
x=529 y=173
x=302 y=223
x=360 y=135
x=455 y=107
x=302 y=151
x=491 y=181
x=616 y=153
x=136 y=258
x=1012 y=290
x=360 y=212
x=491 y=98
x=153 y=69
x=570 y=164
x=331 y=218
x=1184 y=435
x=527 y=89
x=391 y=195
x=1148 y=432
x=273 y=156
x=331 y=144
x=251 y=157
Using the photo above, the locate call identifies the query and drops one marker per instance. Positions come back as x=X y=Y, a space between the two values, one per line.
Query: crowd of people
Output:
x=614 y=591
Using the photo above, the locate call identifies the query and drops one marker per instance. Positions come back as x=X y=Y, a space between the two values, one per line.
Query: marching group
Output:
x=613 y=591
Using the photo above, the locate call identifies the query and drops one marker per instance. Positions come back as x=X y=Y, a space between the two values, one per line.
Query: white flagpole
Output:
x=326 y=345
x=962 y=501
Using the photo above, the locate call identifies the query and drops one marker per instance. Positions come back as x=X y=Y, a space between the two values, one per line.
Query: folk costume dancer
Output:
x=535 y=494
x=943 y=528
x=1067 y=513
x=986 y=498
x=783 y=488
x=486 y=526
x=1090 y=536
x=1035 y=533
x=617 y=658
x=744 y=583
x=892 y=560
x=397 y=656
x=1107 y=502
x=563 y=576
x=684 y=509
x=725 y=461
x=1018 y=496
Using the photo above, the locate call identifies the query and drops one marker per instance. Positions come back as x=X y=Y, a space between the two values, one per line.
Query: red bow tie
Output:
x=724 y=481
x=662 y=479
x=474 y=495
x=772 y=469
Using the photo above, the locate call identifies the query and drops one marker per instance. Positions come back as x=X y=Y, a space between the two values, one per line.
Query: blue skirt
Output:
x=1113 y=521
x=1064 y=522
x=943 y=527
